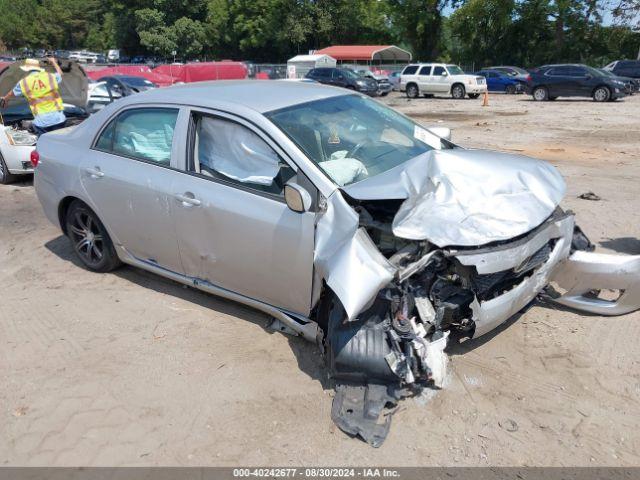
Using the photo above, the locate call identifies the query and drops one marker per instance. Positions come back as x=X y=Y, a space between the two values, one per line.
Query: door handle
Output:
x=95 y=172
x=188 y=199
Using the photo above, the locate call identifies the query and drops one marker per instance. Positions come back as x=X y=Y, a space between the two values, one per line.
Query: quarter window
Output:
x=145 y=134
x=410 y=70
x=231 y=152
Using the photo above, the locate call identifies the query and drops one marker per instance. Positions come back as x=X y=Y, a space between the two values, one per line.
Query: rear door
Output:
x=234 y=228
x=128 y=176
x=424 y=79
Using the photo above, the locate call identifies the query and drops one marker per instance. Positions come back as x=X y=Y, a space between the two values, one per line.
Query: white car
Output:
x=431 y=79
x=83 y=57
x=16 y=141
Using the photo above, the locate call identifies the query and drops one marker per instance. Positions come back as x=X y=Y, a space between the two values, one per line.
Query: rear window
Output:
x=410 y=70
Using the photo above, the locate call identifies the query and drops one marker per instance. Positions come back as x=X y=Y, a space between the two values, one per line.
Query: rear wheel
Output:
x=90 y=239
x=511 y=89
x=5 y=175
x=540 y=94
x=458 y=91
x=601 y=94
x=412 y=90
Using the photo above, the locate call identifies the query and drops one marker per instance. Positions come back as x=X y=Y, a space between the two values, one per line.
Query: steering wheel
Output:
x=355 y=149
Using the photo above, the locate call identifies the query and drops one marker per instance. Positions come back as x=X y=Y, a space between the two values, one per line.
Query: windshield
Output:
x=350 y=74
x=454 y=70
x=352 y=137
x=136 y=82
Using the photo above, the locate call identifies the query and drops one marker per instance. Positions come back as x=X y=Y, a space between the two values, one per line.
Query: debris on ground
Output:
x=590 y=196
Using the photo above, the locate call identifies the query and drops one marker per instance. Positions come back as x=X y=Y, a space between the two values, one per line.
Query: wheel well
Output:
x=414 y=84
x=62 y=211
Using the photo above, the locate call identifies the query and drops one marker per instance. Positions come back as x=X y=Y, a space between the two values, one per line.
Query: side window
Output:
x=145 y=134
x=438 y=71
x=410 y=70
x=425 y=71
x=323 y=73
x=228 y=151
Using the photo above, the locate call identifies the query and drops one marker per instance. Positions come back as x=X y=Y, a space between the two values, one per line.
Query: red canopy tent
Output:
x=199 y=72
x=366 y=53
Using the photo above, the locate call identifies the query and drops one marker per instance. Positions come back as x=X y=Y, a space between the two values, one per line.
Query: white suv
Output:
x=439 y=78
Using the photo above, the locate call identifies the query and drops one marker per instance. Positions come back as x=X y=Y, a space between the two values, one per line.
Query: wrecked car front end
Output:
x=422 y=239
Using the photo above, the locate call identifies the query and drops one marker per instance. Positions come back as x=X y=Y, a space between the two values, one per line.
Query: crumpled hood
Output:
x=466 y=197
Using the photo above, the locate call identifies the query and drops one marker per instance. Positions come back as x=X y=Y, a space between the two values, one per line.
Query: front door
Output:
x=128 y=178
x=234 y=228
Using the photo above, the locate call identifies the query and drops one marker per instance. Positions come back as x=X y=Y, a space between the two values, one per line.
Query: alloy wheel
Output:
x=540 y=94
x=87 y=238
x=458 y=92
x=412 y=91
x=601 y=95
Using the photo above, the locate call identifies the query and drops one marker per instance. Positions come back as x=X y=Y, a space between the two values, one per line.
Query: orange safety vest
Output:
x=42 y=92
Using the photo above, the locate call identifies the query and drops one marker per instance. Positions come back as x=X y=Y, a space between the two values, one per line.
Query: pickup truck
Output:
x=431 y=79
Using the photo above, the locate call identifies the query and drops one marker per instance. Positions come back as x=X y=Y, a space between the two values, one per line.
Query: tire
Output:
x=458 y=92
x=511 y=89
x=89 y=238
x=5 y=176
x=601 y=94
x=474 y=95
x=412 y=90
x=540 y=94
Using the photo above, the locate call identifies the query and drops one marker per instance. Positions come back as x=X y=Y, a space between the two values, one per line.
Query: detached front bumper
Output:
x=584 y=273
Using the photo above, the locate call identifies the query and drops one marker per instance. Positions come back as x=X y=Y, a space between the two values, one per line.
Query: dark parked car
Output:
x=498 y=81
x=125 y=85
x=343 y=77
x=517 y=72
x=573 y=80
x=625 y=68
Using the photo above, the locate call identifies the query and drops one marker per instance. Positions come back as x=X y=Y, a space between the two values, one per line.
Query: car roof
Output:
x=259 y=95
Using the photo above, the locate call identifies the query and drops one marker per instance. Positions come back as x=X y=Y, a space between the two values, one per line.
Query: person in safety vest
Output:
x=42 y=91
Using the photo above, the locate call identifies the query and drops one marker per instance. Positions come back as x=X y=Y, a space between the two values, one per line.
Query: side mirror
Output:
x=442 y=132
x=588 y=76
x=297 y=198
x=444 y=74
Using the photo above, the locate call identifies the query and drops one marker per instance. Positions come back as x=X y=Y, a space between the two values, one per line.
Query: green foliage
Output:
x=523 y=32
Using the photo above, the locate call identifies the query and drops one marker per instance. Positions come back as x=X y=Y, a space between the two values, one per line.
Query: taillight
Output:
x=528 y=78
x=35 y=158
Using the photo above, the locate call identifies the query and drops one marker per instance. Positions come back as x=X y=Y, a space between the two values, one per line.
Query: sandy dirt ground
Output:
x=130 y=369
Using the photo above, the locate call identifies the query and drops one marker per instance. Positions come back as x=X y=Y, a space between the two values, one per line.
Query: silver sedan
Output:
x=344 y=220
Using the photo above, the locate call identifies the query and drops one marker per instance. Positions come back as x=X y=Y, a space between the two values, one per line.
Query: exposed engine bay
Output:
x=395 y=347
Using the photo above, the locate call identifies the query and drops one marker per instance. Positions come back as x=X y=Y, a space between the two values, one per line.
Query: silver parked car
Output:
x=346 y=221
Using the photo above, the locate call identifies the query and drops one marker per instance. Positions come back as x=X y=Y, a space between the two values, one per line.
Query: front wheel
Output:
x=601 y=94
x=90 y=239
x=511 y=89
x=412 y=91
x=474 y=95
x=540 y=94
x=458 y=92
